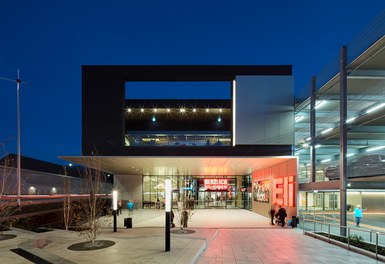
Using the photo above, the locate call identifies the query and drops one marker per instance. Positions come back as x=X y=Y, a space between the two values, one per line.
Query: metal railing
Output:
x=351 y=236
x=317 y=215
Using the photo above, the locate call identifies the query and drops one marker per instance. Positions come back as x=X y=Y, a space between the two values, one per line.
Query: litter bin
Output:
x=128 y=222
x=294 y=221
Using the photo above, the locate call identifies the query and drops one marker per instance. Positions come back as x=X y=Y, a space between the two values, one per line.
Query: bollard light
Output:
x=115 y=207
x=167 y=185
x=114 y=200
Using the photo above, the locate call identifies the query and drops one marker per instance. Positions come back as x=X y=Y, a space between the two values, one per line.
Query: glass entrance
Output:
x=212 y=199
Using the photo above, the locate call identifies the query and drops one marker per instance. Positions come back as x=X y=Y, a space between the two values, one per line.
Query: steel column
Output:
x=343 y=138
x=312 y=129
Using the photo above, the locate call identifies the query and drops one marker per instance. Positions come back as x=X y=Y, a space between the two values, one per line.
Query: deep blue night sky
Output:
x=50 y=40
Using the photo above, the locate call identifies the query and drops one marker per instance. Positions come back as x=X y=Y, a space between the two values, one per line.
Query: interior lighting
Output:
x=305 y=145
x=317 y=146
x=327 y=130
x=299 y=118
x=350 y=120
x=219 y=119
x=308 y=139
x=375 y=148
x=155 y=110
x=129 y=110
x=142 y=110
x=318 y=105
x=153 y=118
x=182 y=110
x=168 y=110
x=207 y=110
x=375 y=108
x=194 y=110
x=220 y=110
x=325 y=160
x=350 y=155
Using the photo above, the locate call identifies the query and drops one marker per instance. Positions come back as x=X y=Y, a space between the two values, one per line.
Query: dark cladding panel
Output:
x=188 y=72
x=103 y=107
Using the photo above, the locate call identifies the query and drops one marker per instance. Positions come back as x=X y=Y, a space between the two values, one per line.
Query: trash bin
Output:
x=128 y=222
x=294 y=221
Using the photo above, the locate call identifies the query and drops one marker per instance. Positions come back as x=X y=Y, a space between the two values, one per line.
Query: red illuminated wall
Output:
x=283 y=184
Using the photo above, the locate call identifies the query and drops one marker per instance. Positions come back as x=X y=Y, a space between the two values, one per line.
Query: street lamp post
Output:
x=18 y=81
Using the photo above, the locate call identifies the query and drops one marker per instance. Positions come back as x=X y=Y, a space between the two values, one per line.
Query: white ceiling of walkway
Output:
x=207 y=166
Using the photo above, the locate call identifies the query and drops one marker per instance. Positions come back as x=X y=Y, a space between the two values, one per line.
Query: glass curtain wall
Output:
x=327 y=147
x=193 y=192
x=302 y=141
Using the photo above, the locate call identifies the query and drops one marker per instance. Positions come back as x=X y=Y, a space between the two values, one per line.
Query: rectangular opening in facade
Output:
x=176 y=114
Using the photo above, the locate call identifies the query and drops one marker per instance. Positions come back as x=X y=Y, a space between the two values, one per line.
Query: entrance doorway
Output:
x=213 y=199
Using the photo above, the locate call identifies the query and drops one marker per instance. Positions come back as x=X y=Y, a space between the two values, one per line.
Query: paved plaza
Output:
x=220 y=236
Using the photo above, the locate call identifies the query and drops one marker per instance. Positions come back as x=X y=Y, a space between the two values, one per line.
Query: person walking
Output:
x=130 y=207
x=272 y=214
x=119 y=207
x=358 y=214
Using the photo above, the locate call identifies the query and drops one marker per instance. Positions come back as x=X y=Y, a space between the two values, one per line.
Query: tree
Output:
x=7 y=203
x=185 y=206
x=67 y=202
x=94 y=205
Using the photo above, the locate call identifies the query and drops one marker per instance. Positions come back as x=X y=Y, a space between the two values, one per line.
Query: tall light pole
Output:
x=18 y=81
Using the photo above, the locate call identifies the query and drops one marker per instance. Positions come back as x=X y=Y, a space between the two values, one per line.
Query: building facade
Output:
x=217 y=152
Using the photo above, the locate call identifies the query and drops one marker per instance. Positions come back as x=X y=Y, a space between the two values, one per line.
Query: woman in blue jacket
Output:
x=358 y=214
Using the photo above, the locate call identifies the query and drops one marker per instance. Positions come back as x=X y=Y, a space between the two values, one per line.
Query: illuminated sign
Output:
x=283 y=191
x=216 y=184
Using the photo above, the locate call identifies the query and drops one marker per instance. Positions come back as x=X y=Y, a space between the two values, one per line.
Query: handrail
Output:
x=349 y=230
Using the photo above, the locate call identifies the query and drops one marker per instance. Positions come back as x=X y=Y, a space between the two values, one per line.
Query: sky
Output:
x=49 y=41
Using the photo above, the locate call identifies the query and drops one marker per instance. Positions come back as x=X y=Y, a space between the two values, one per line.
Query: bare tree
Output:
x=7 y=203
x=67 y=202
x=92 y=209
x=185 y=206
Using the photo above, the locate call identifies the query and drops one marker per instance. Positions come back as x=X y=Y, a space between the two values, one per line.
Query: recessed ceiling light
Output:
x=299 y=118
x=327 y=130
x=375 y=108
x=350 y=120
x=375 y=148
x=319 y=104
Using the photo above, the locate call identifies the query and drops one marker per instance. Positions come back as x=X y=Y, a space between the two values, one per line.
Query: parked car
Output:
x=369 y=165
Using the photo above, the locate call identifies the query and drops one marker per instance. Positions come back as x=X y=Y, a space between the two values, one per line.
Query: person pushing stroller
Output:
x=280 y=216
